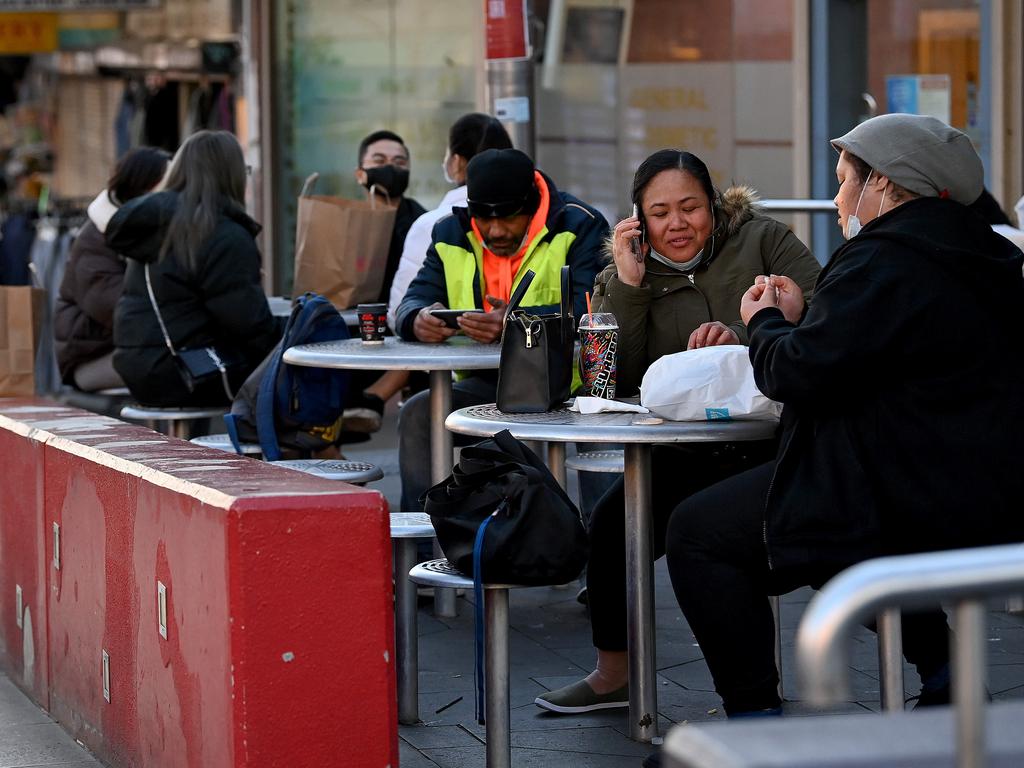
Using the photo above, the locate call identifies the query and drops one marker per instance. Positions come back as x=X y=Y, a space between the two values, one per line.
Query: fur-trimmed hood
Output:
x=733 y=208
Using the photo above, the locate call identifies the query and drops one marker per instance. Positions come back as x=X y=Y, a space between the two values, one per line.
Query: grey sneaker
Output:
x=580 y=697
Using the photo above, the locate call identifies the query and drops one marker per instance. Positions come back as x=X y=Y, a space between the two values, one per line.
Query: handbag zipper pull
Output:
x=529 y=336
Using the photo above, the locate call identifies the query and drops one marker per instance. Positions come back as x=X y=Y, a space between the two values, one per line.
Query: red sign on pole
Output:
x=507 y=36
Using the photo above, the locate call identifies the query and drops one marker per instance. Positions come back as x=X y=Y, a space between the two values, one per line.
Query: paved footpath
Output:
x=30 y=739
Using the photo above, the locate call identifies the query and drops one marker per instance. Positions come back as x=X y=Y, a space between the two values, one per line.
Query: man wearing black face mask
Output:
x=384 y=171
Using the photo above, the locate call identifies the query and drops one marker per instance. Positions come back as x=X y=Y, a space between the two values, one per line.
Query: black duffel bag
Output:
x=534 y=534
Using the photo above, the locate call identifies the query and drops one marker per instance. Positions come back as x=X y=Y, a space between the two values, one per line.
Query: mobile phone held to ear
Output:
x=450 y=315
x=638 y=254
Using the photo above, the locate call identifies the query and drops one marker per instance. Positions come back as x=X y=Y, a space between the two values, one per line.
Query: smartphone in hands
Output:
x=450 y=316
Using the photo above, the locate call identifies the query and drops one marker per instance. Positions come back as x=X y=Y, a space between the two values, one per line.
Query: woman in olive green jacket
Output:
x=699 y=251
x=667 y=303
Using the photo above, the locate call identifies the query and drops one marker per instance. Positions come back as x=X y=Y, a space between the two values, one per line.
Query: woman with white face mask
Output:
x=903 y=424
x=468 y=136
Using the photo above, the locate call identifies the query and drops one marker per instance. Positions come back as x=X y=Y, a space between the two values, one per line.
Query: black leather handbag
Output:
x=202 y=364
x=535 y=372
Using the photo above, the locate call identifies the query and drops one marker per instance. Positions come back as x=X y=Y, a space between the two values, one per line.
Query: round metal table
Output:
x=637 y=432
x=456 y=354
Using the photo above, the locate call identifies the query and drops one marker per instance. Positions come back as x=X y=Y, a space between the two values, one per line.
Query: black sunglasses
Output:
x=499 y=210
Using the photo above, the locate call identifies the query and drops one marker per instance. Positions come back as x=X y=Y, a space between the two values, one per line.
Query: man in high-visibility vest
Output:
x=515 y=220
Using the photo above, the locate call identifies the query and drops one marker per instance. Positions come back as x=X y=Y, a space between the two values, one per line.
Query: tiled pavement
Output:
x=550 y=646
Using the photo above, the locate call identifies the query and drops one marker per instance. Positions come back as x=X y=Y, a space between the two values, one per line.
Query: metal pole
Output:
x=556 y=461
x=510 y=97
x=969 y=683
x=776 y=603
x=890 y=659
x=407 y=663
x=643 y=695
x=441 y=465
x=496 y=679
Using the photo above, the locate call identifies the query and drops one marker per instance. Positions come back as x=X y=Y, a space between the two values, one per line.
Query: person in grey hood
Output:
x=903 y=422
x=84 y=320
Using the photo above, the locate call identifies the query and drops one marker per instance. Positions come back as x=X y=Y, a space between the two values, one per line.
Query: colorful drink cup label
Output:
x=599 y=341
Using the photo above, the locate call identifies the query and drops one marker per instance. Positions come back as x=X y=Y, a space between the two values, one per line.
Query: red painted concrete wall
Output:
x=279 y=643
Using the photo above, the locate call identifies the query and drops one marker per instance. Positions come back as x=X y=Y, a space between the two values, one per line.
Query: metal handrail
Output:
x=797 y=206
x=966 y=577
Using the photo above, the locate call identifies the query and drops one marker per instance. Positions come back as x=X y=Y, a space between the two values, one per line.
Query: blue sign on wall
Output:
x=901 y=93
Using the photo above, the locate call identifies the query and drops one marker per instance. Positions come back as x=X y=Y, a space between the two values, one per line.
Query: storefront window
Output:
x=346 y=68
x=711 y=78
x=924 y=56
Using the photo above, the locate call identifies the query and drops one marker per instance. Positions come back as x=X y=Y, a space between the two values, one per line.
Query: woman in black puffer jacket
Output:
x=84 y=320
x=204 y=267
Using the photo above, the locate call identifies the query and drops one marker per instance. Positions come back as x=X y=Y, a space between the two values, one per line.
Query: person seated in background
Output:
x=384 y=164
x=197 y=244
x=515 y=220
x=700 y=251
x=903 y=423
x=83 y=323
x=468 y=136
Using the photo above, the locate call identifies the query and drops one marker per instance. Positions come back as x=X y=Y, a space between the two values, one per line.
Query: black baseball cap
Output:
x=500 y=183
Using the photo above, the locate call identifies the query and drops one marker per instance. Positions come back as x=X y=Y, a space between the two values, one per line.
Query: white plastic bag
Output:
x=708 y=384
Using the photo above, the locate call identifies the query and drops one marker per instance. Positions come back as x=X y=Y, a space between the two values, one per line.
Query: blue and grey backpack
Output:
x=292 y=406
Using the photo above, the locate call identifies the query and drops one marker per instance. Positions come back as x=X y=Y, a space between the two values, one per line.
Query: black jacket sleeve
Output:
x=836 y=349
x=426 y=288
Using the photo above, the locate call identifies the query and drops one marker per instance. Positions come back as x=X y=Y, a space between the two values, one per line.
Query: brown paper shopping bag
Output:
x=21 y=316
x=341 y=247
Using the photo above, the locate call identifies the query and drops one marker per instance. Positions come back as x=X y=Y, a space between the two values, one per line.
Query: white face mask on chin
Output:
x=853 y=225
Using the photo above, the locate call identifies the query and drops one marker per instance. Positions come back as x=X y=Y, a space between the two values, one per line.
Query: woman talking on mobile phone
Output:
x=699 y=251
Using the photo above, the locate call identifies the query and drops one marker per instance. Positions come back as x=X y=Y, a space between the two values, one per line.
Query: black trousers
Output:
x=676 y=472
x=719 y=569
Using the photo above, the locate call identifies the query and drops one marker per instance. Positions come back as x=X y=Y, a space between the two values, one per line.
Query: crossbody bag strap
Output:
x=156 y=311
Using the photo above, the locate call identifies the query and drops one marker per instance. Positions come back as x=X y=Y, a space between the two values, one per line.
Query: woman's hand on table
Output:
x=431 y=329
x=484 y=327
x=630 y=269
x=773 y=291
x=712 y=335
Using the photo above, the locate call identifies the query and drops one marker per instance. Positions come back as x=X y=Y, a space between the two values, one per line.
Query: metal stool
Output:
x=356 y=472
x=597 y=461
x=177 y=419
x=222 y=442
x=406 y=528
x=441 y=574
